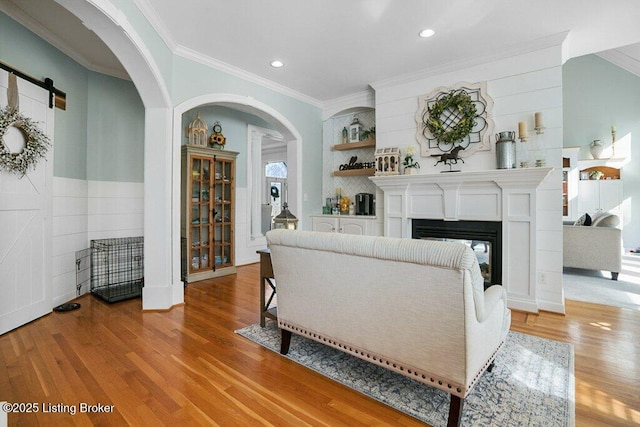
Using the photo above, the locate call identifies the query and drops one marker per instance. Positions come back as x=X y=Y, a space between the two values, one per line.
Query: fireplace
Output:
x=508 y=197
x=484 y=237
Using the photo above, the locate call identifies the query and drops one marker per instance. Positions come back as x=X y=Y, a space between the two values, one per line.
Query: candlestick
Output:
x=522 y=131
x=538 y=123
x=613 y=141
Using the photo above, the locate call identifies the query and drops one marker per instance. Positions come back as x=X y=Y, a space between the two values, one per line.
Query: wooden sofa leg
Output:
x=285 y=341
x=614 y=275
x=455 y=411
x=490 y=367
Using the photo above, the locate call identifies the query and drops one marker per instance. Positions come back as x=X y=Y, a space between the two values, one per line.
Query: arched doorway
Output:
x=285 y=130
x=163 y=287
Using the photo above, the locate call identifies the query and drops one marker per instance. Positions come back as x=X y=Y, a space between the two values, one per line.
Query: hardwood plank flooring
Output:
x=186 y=366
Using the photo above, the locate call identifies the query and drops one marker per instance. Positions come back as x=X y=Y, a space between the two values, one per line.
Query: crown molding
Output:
x=193 y=55
x=35 y=27
x=196 y=56
x=158 y=25
x=519 y=49
x=621 y=60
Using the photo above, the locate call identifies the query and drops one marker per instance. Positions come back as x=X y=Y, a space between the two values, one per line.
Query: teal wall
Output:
x=234 y=128
x=597 y=95
x=35 y=57
x=100 y=135
x=115 y=142
x=192 y=79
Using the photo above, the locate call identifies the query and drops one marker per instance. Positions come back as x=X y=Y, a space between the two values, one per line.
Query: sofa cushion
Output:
x=583 y=220
x=605 y=219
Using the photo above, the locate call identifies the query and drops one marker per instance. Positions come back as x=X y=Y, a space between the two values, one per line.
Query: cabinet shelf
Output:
x=367 y=143
x=355 y=172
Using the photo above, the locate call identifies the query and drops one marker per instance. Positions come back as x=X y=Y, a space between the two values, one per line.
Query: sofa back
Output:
x=400 y=299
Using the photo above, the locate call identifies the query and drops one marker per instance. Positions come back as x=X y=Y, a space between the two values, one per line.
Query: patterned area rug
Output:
x=532 y=383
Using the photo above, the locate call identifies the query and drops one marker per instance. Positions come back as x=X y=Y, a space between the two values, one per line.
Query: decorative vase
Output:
x=410 y=171
x=596 y=149
x=506 y=150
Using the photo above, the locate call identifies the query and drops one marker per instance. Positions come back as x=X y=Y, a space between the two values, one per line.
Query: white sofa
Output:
x=416 y=307
x=592 y=248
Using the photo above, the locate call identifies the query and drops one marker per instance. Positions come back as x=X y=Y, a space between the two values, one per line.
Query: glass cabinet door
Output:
x=223 y=209
x=200 y=210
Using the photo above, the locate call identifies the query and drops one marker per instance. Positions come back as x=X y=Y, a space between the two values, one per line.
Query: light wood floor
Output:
x=187 y=367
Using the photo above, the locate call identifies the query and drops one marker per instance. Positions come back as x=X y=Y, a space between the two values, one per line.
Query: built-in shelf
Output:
x=355 y=172
x=367 y=143
x=608 y=173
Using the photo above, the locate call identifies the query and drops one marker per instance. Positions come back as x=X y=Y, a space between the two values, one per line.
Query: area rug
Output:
x=597 y=287
x=532 y=383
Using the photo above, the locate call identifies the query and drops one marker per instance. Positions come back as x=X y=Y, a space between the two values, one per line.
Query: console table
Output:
x=266 y=279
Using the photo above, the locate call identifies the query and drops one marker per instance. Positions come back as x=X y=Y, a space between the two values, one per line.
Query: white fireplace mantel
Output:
x=506 y=195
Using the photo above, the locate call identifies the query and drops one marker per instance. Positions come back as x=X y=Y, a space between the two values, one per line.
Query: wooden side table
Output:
x=266 y=278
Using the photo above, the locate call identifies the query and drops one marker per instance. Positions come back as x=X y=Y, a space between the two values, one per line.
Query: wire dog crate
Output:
x=117 y=268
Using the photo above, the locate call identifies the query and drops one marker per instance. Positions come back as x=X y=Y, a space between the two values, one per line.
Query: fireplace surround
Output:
x=507 y=196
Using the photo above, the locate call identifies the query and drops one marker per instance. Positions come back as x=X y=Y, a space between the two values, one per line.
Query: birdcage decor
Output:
x=198 y=132
x=117 y=268
x=387 y=161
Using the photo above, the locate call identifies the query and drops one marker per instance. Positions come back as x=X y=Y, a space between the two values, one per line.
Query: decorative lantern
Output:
x=197 y=132
x=355 y=130
x=387 y=161
x=285 y=219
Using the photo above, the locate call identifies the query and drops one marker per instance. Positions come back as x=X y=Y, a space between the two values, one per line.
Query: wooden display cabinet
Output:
x=208 y=213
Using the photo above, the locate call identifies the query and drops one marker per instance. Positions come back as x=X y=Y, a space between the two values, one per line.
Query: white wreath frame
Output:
x=36 y=145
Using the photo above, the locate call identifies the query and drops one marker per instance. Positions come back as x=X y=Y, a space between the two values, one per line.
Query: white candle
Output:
x=522 y=129
x=538 y=120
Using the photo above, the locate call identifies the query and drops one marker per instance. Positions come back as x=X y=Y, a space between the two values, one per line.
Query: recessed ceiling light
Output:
x=426 y=33
x=277 y=64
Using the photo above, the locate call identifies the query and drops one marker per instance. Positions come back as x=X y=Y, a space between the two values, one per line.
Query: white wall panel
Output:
x=70 y=224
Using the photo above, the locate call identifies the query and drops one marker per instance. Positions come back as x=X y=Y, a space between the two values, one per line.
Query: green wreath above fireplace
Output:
x=456 y=104
x=454 y=117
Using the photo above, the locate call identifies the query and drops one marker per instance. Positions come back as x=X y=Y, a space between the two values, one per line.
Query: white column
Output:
x=162 y=286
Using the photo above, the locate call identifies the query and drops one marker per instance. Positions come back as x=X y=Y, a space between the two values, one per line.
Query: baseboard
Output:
x=551 y=306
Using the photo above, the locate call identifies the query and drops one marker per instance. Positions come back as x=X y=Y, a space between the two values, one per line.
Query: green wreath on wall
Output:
x=37 y=143
x=457 y=104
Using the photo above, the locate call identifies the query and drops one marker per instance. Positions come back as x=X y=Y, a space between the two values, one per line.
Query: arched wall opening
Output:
x=284 y=129
x=162 y=289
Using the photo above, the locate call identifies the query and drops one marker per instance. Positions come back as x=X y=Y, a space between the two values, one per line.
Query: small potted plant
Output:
x=369 y=133
x=410 y=165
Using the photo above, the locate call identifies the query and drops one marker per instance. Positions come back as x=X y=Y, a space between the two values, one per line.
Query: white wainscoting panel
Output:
x=70 y=224
x=116 y=209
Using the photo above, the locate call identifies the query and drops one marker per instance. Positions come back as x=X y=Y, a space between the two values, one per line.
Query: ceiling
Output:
x=336 y=48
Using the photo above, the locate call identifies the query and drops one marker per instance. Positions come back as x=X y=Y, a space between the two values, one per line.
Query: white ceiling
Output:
x=335 y=48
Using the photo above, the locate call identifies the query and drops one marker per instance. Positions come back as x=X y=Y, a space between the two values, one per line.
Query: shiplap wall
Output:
x=86 y=210
x=520 y=85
